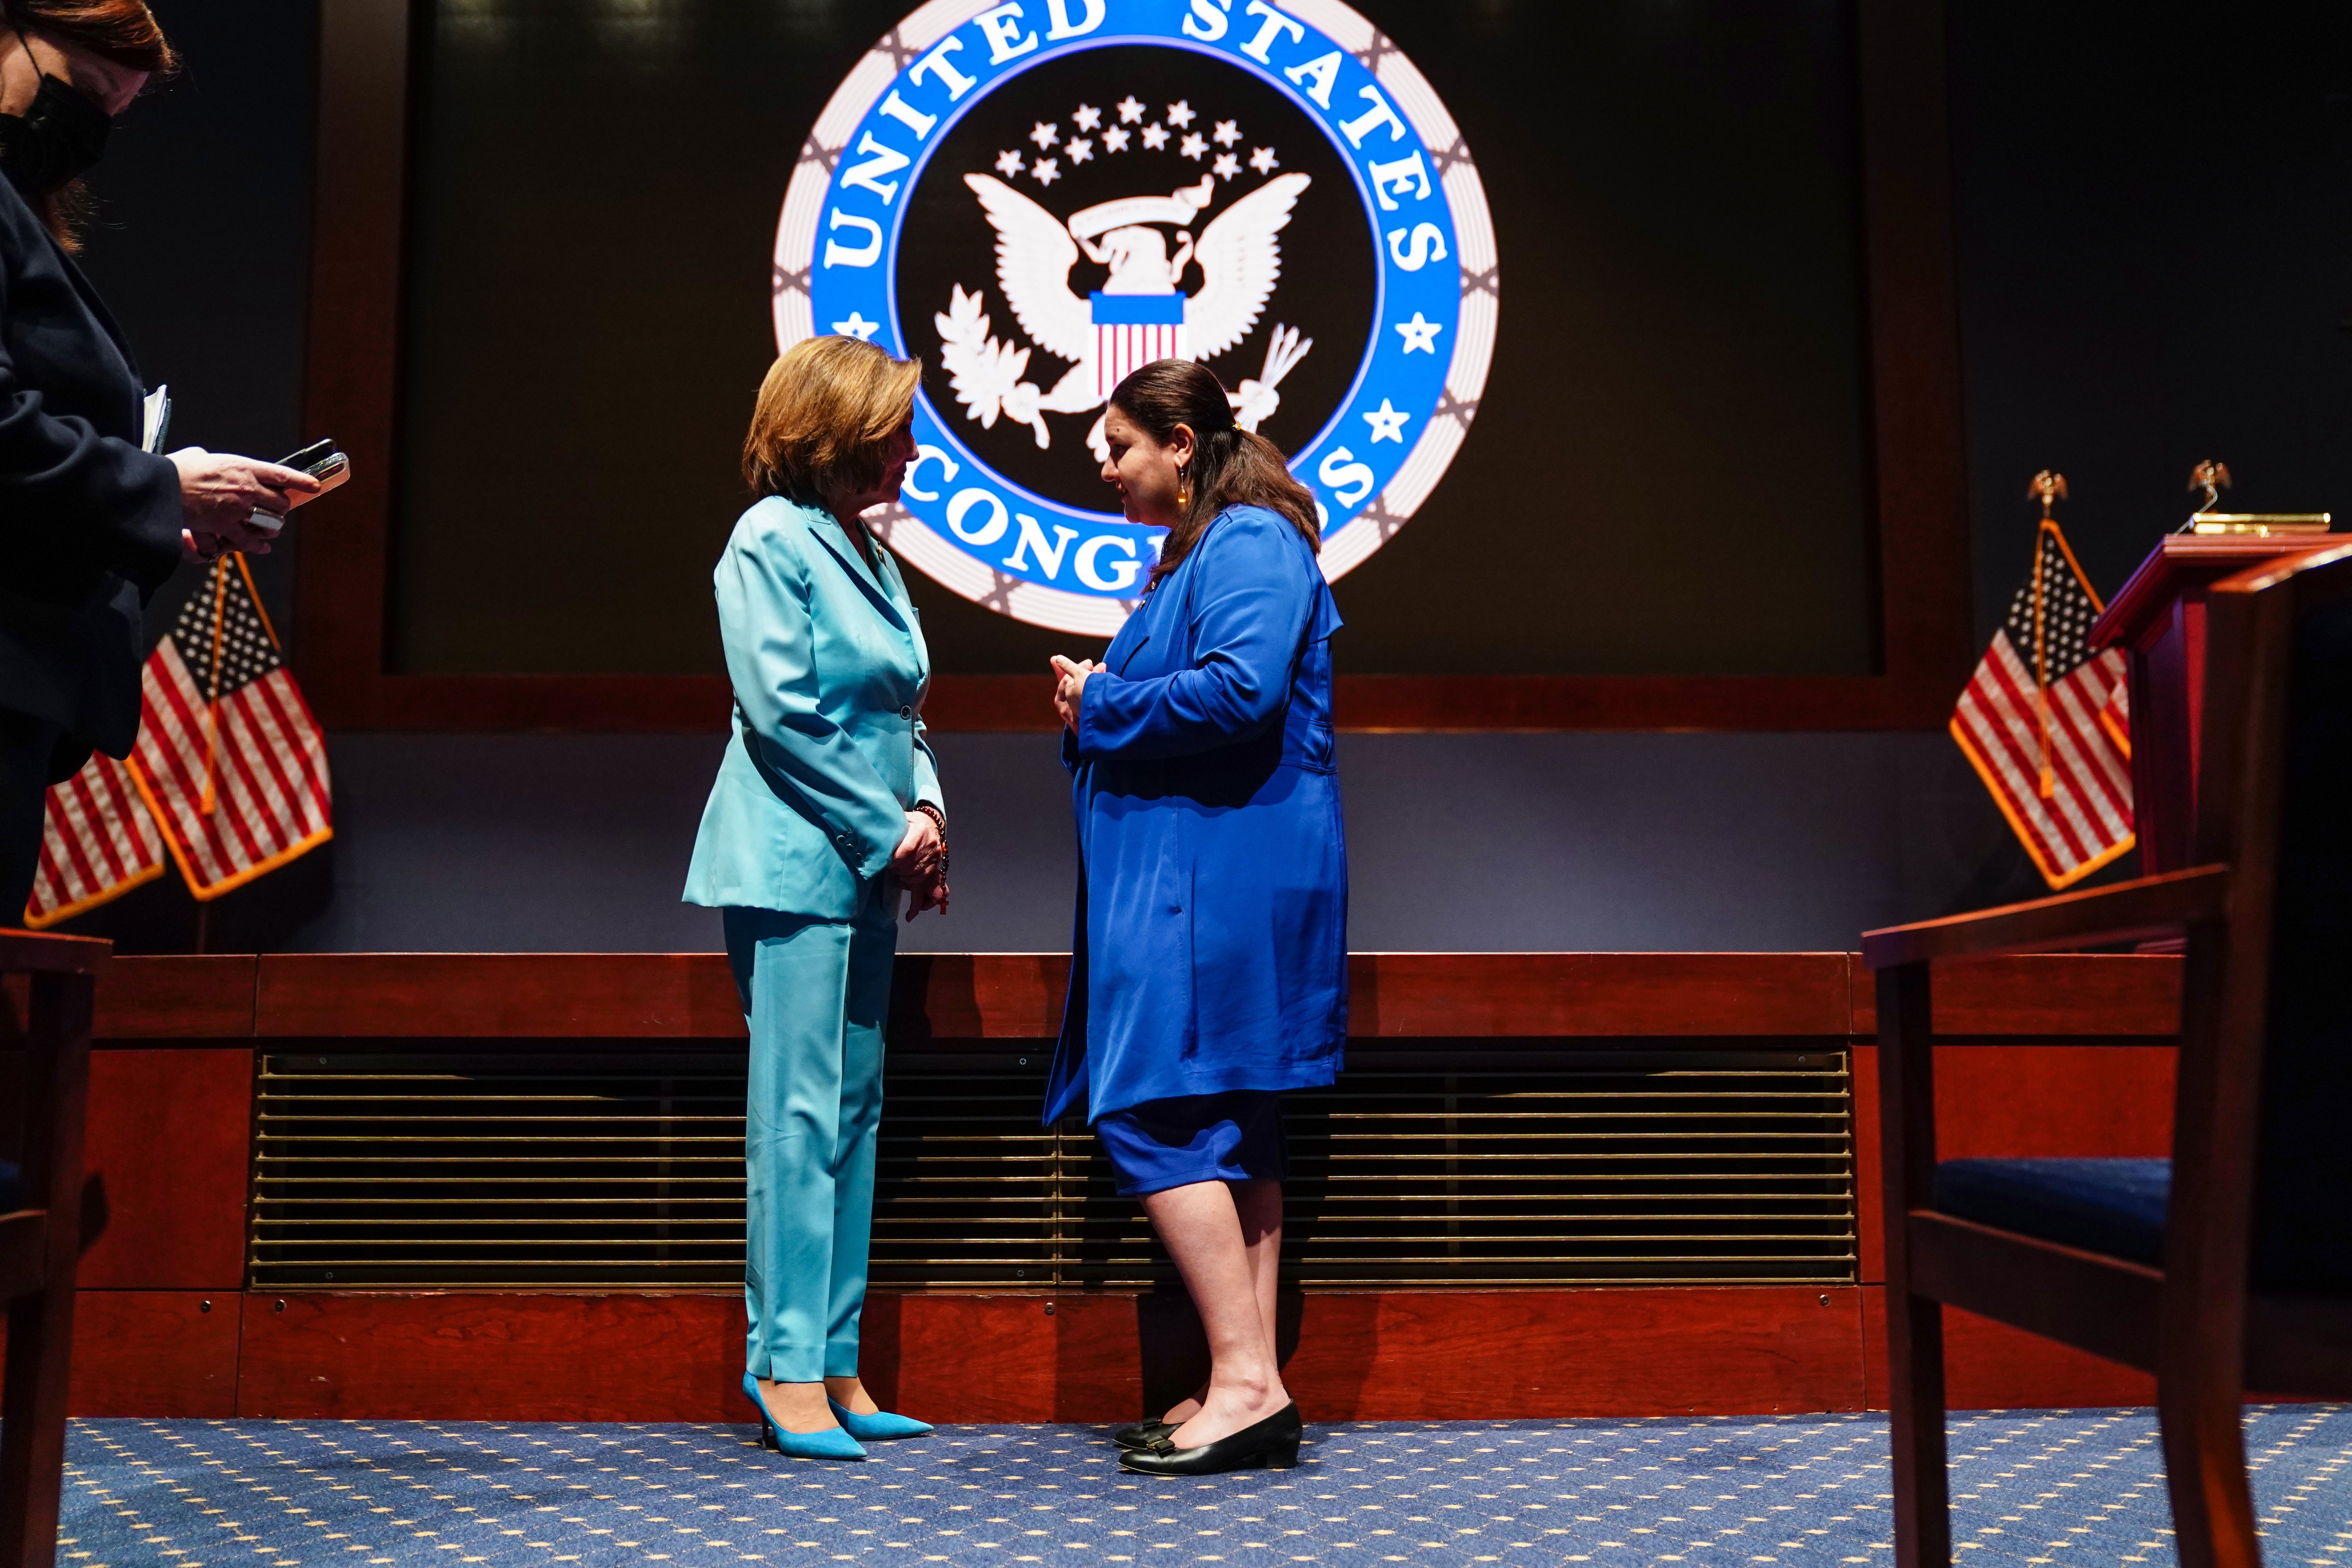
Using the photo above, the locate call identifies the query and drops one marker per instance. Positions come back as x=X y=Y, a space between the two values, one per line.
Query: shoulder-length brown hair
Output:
x=123 y=31
x=825 y=409
x=1230 y=466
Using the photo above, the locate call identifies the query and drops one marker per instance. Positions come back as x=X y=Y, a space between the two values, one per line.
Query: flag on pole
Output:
x=100 y=842
x=2042 y=717
x=233 y=765
x=228 y=778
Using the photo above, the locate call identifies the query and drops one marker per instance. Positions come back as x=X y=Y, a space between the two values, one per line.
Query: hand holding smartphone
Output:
x=321 y=462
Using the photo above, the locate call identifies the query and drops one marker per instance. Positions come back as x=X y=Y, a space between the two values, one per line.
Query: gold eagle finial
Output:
x=2212 y=477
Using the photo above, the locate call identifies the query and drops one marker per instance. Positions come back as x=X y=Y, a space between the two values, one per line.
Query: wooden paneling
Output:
x=357 y=216
x=2045 y=994
x=966 y=1358
x=1587 y=993
x=524 y=1358
x=1918 y=459
x=2088 y=1074
x=950 y=1357
x=1506 y=1354
x=1992 y=1366
x=181 y=997
x=1869 y=1209
x=476 y=995
x=1019 y=995
x=2028 y=1101
x=152 y=1353
x=992 y=995
x=2022 y=1102
x=169 y=1138
x=1399 y=1356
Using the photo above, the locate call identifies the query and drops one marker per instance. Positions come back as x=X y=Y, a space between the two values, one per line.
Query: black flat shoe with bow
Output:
x=1143 y=1434
x=1273 y=1443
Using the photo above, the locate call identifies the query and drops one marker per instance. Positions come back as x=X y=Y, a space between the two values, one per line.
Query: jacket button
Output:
x=908 y=712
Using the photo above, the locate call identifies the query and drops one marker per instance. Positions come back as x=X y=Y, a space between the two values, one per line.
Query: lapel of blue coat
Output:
x=836 y=539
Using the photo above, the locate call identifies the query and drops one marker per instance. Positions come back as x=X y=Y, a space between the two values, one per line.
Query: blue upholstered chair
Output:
x=40 y=1226
x=2228 y=1266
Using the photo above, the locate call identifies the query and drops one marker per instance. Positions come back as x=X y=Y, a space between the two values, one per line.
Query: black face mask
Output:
x=56 y=139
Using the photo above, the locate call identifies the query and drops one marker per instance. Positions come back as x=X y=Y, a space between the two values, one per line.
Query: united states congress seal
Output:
x=1037 y=197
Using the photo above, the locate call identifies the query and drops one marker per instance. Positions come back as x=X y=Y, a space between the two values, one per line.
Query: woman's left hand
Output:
x=1071 y=690
x=916 y=864
x=917 y=852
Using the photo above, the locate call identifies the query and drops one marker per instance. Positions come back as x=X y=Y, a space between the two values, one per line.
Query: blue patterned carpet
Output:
x=2062 y=1488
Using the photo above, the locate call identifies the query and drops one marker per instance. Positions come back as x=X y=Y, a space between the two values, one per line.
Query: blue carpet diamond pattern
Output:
x=2044 y=1489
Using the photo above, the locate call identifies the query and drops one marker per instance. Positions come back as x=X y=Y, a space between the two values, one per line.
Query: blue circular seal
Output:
x=1037 y=197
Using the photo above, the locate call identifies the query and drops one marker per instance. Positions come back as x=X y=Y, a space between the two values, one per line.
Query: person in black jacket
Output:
x=90 y=523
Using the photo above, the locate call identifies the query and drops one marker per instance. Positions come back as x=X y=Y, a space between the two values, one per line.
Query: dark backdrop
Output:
x=1666 y=476
x=2155 y=213
x=2155 y=266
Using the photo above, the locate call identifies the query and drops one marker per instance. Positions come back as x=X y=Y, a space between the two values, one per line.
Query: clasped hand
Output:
x=1070 y=688
x=918 y=866
x=234 y=503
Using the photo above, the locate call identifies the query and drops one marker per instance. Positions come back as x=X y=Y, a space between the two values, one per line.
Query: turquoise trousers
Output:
x=816 y=993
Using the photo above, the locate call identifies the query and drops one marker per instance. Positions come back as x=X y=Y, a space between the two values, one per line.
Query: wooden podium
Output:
x=2158 y=620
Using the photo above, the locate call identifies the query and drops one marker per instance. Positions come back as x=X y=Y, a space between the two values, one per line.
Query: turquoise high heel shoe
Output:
x=835 y=1443
x=878 y=1428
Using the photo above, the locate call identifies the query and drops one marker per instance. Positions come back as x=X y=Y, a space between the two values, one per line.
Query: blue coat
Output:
x=829 y=668
x=1211 y=930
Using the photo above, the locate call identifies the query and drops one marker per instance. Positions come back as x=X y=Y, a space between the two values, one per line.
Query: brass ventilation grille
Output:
x=625 y=1170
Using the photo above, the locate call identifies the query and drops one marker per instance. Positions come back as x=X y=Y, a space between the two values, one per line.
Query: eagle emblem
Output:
x=1140 y=313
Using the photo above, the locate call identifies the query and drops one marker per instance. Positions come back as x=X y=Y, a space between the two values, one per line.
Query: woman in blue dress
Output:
x=1211 y=970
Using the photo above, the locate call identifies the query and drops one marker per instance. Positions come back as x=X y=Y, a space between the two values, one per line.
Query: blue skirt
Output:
x=1235 y=1136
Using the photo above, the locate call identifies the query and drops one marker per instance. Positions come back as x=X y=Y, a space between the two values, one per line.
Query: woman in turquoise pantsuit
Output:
x=826 y=813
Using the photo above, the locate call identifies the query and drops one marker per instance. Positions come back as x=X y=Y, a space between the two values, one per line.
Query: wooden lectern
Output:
x=2158 y=620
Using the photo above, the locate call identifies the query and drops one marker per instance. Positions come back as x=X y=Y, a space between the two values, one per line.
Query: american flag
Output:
x=228 y=776
x=2043 y=719
x=100 y=842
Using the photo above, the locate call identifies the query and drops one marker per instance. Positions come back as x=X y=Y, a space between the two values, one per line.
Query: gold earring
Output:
x=1184 y=491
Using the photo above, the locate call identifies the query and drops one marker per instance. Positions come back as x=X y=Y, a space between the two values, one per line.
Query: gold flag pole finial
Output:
x=2049 y=487
x=2212 y=477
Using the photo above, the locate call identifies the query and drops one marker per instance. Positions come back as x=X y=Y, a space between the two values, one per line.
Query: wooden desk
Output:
x=2158 y=620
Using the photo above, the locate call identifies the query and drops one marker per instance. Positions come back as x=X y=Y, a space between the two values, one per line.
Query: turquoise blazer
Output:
x=828 y=755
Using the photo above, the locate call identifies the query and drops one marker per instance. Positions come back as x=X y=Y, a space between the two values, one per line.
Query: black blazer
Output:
x=89 y=525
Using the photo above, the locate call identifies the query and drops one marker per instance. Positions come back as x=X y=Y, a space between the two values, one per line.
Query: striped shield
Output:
x=1133 y=330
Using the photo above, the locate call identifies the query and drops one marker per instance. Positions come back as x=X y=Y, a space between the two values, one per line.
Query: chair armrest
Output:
x=2146 y=907
x=23 y=953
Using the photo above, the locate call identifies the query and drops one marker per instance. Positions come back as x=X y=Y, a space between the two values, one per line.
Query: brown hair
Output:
x=1230 y=466
x=825 y=409
x=123 y=31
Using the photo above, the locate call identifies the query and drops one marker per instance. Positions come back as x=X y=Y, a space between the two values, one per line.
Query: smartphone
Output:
x=321 y=462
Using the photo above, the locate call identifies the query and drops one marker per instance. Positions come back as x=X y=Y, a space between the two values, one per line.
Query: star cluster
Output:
x=1092 y=133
